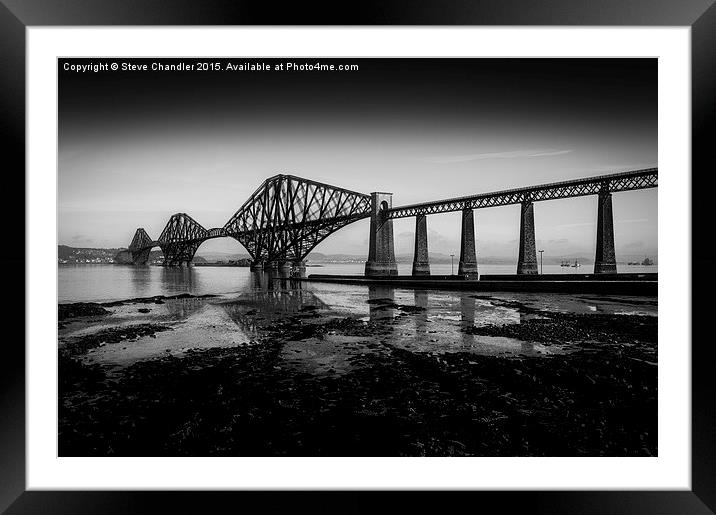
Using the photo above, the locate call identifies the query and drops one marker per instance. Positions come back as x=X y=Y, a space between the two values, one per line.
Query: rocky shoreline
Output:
x=598 y=399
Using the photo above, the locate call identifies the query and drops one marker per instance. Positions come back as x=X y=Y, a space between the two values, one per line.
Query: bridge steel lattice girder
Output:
x=626 y=181
x=181 y=238
x=287 y=216
x=140 y=247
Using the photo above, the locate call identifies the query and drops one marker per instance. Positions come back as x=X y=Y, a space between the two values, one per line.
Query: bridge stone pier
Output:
x=381 y=252
x=421 y=262
x=299 y=266
x=527 y=258
x=605 y=260
x=467 y=267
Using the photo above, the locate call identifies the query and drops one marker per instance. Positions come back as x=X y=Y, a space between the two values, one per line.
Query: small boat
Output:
x=576 y=264
x=565 y=263
x=647 y=262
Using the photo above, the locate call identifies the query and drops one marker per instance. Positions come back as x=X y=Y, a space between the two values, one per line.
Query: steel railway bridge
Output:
x=287 y=216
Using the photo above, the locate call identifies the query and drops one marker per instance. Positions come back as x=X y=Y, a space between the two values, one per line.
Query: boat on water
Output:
x=576 y=264
x=565 y=263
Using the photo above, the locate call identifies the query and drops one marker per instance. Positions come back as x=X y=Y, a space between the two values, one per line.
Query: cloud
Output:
x=496 y=155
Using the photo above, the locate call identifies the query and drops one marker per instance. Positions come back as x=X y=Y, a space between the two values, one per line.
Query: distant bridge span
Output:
x=626 y=181
x=287 y=216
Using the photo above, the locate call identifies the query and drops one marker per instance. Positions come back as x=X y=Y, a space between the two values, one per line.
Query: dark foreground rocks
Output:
x=75 y=310
x=599 y=400
x=131 y=333
x=156 y=299
x=79 y=309
x=565 y=328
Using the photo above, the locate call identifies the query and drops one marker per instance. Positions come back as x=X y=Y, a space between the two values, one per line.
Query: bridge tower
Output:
x=180 y=239
x=381 y=250
x=467 y=268
x=605 y=260
x=140 y=247
x=421 y=261
x=527 y=259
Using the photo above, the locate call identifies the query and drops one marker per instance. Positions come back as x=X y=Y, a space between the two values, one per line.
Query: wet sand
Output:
x=359 y=372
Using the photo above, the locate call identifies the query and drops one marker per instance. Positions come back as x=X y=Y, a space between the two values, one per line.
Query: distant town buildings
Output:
x=71 y=255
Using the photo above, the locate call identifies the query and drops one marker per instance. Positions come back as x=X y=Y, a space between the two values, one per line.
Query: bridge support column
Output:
x=284 y=269
x=257 y=266
x=421 y=261
x=381 y=252
x=527 y=259
x=299 y=266
x=140 y=258
x=605 y=260
x=467 y=268
x=271 y=265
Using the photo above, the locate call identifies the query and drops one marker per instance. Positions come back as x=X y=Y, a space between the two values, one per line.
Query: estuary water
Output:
x=105 y=283
x=244 y=305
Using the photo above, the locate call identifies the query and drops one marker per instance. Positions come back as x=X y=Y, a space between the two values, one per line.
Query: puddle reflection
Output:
x=381 y=302
x=421 y=316
x=272 y=298
x=179 y=279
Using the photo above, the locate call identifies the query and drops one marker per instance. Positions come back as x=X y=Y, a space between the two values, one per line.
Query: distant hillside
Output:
x=212 y=257
x=66 y=254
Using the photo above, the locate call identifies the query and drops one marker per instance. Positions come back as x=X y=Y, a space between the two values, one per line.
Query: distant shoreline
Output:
x=221 y=264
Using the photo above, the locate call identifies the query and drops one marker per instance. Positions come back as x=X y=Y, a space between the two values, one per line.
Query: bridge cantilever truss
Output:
x=288 y=216
x=284 y=219
x=141 y=246
x=180 y=238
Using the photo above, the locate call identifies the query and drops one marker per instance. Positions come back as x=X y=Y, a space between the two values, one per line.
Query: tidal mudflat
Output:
x=332 y=370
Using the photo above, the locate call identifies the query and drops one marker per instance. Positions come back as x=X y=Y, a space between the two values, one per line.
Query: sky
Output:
x=137 y=146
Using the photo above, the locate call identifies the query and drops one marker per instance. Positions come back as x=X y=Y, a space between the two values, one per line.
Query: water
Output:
x=417 y=320
x=272 y=352
x=102 y=283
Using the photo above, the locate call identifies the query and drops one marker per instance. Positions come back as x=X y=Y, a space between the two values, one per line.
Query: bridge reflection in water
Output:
x=381 y=302
x=412 y=319
x=421 y=314
x=272 y=296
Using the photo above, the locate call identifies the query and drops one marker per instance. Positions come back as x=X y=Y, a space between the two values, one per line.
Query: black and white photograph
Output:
x=357 y=257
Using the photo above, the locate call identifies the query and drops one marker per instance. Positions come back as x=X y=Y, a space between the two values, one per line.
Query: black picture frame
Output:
x=700 y=15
